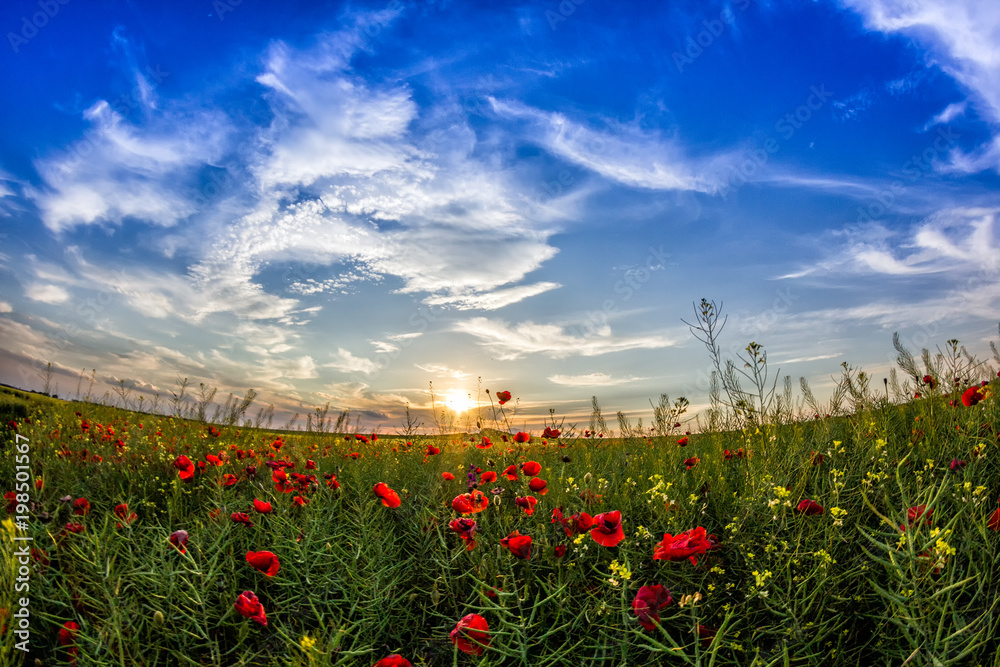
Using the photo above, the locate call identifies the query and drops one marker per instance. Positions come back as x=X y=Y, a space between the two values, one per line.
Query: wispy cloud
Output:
x=593 y=380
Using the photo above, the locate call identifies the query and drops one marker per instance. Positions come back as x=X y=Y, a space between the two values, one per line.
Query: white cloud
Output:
x=5 y=307
x=442 y=370
x=515 y=341
x=47 y=293
x=592 y=380
x=346 y=362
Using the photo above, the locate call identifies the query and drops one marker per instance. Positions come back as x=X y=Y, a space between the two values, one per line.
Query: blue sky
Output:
x=332 y=202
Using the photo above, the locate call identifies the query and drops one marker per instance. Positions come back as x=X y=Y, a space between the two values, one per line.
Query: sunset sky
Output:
x=342 y=202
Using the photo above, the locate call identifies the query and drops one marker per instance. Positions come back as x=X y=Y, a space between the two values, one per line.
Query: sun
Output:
x=458 y=400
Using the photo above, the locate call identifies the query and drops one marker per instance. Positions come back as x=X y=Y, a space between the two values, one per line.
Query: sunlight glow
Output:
x=458 y=400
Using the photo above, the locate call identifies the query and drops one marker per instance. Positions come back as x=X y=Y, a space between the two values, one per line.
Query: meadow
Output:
x=863 y=532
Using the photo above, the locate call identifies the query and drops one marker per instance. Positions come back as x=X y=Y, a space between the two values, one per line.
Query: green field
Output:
x=359 y=580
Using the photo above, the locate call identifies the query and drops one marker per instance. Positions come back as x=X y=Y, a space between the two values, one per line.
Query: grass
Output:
x=359 y=580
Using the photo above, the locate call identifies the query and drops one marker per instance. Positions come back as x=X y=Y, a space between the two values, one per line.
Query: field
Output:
x=864 y=538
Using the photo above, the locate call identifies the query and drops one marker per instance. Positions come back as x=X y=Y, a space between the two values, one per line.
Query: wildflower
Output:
x=470 y=503
x=432 y=450
x=522 y=437
x=518 y=544
x=229 y=479
x=691 y=462
x=956 y=465
x=299 y=501
x=121 y=511
x=471 y=634
x=485 y=443
x=689 y=544
x=607 y=529
x=487 y=477
x=250 y=607
x=551 y=432
x=809 y=507
x=503 y=397
x=241 y=517
x=993 y=523
x=560 y=550
x=916 y=515
x=389 y=497
x=265 y=561
x=262 y=507
x=81 y=507
x=394 y=660
x=929 y=381
x=683 y=441
x=527 y=504
x=647 y=604
x=178 y=539
x=185 y=468
x=529 y=468
x=511 y=473
x=973 y=395
x=447 y=476
x=466 y=529
x=67 y=638
x=538 y=485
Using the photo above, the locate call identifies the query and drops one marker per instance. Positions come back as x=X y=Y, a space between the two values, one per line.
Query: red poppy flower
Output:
x=647 y=604
x=470 y=503
x=310 y=464
x=522 y=437
x=530 y=468
x=503 y=396
x=487 y=477
x=179 y=539
x=691 y=462
x=229 y=479
x=213 y=459
x=518 y=544
x=242 y=517
x=81 y=507
x=121 y=511
x=394 y=660
x=299 y=501
x=214 y=514
x=560 y=550
x=577 y=523
x=185 y=468
x=484 y=443
x=265 y=561
x=261 y=506
x=471 y=634
x=688 y=544
x=683 y=441
x=551 y=432
x=248 y=605
x=993 y=523
x=917 y=514
x=67 y=638
x=389 y=497
x=466 y=529
x=607 y=530
x=973 y=395
x=809 y=507
x=527 y=504
x=511 y=473
x=432 y=450
x=447 y=476
x=538 y=485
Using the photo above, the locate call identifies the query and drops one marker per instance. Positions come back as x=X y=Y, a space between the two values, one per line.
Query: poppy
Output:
x=179 y=539
x=809 y=507
x=527 y=504
x=432 y=450
x=503 y=396
x=607 y=530
x=249 y=606
x=576 y=524
x=121 y=511
x=647 y=604
x=67 y=638
x=484 y=443
x=466 y=529
x=265 y=561
x=915 y=515
x=213 y=459
x=389 y=497
x=299 y=501
x=538 y=485
x=394 y=660
x=972 y=396
x=185 y=468
x=530 y=468
x=487 y=477
x=691 y=462
x=229 y=479
x=560 y=550
x=470 y=503
x=522 y=437
x=242 y=517
x=518 y=544
x=471 y=634
x=688 y=544
x=81 y=507
x=447 y=476
x=929 y=381
x=551 y=432
x=310 y=464
x=262 y=507
x=683 y=441
x=214 y=514
x=993 y=523
x=511 y=473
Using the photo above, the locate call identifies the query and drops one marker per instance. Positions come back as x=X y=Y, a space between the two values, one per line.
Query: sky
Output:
x=349 y=203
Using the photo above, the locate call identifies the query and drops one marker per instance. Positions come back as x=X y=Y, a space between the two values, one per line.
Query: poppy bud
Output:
x=158 y=618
